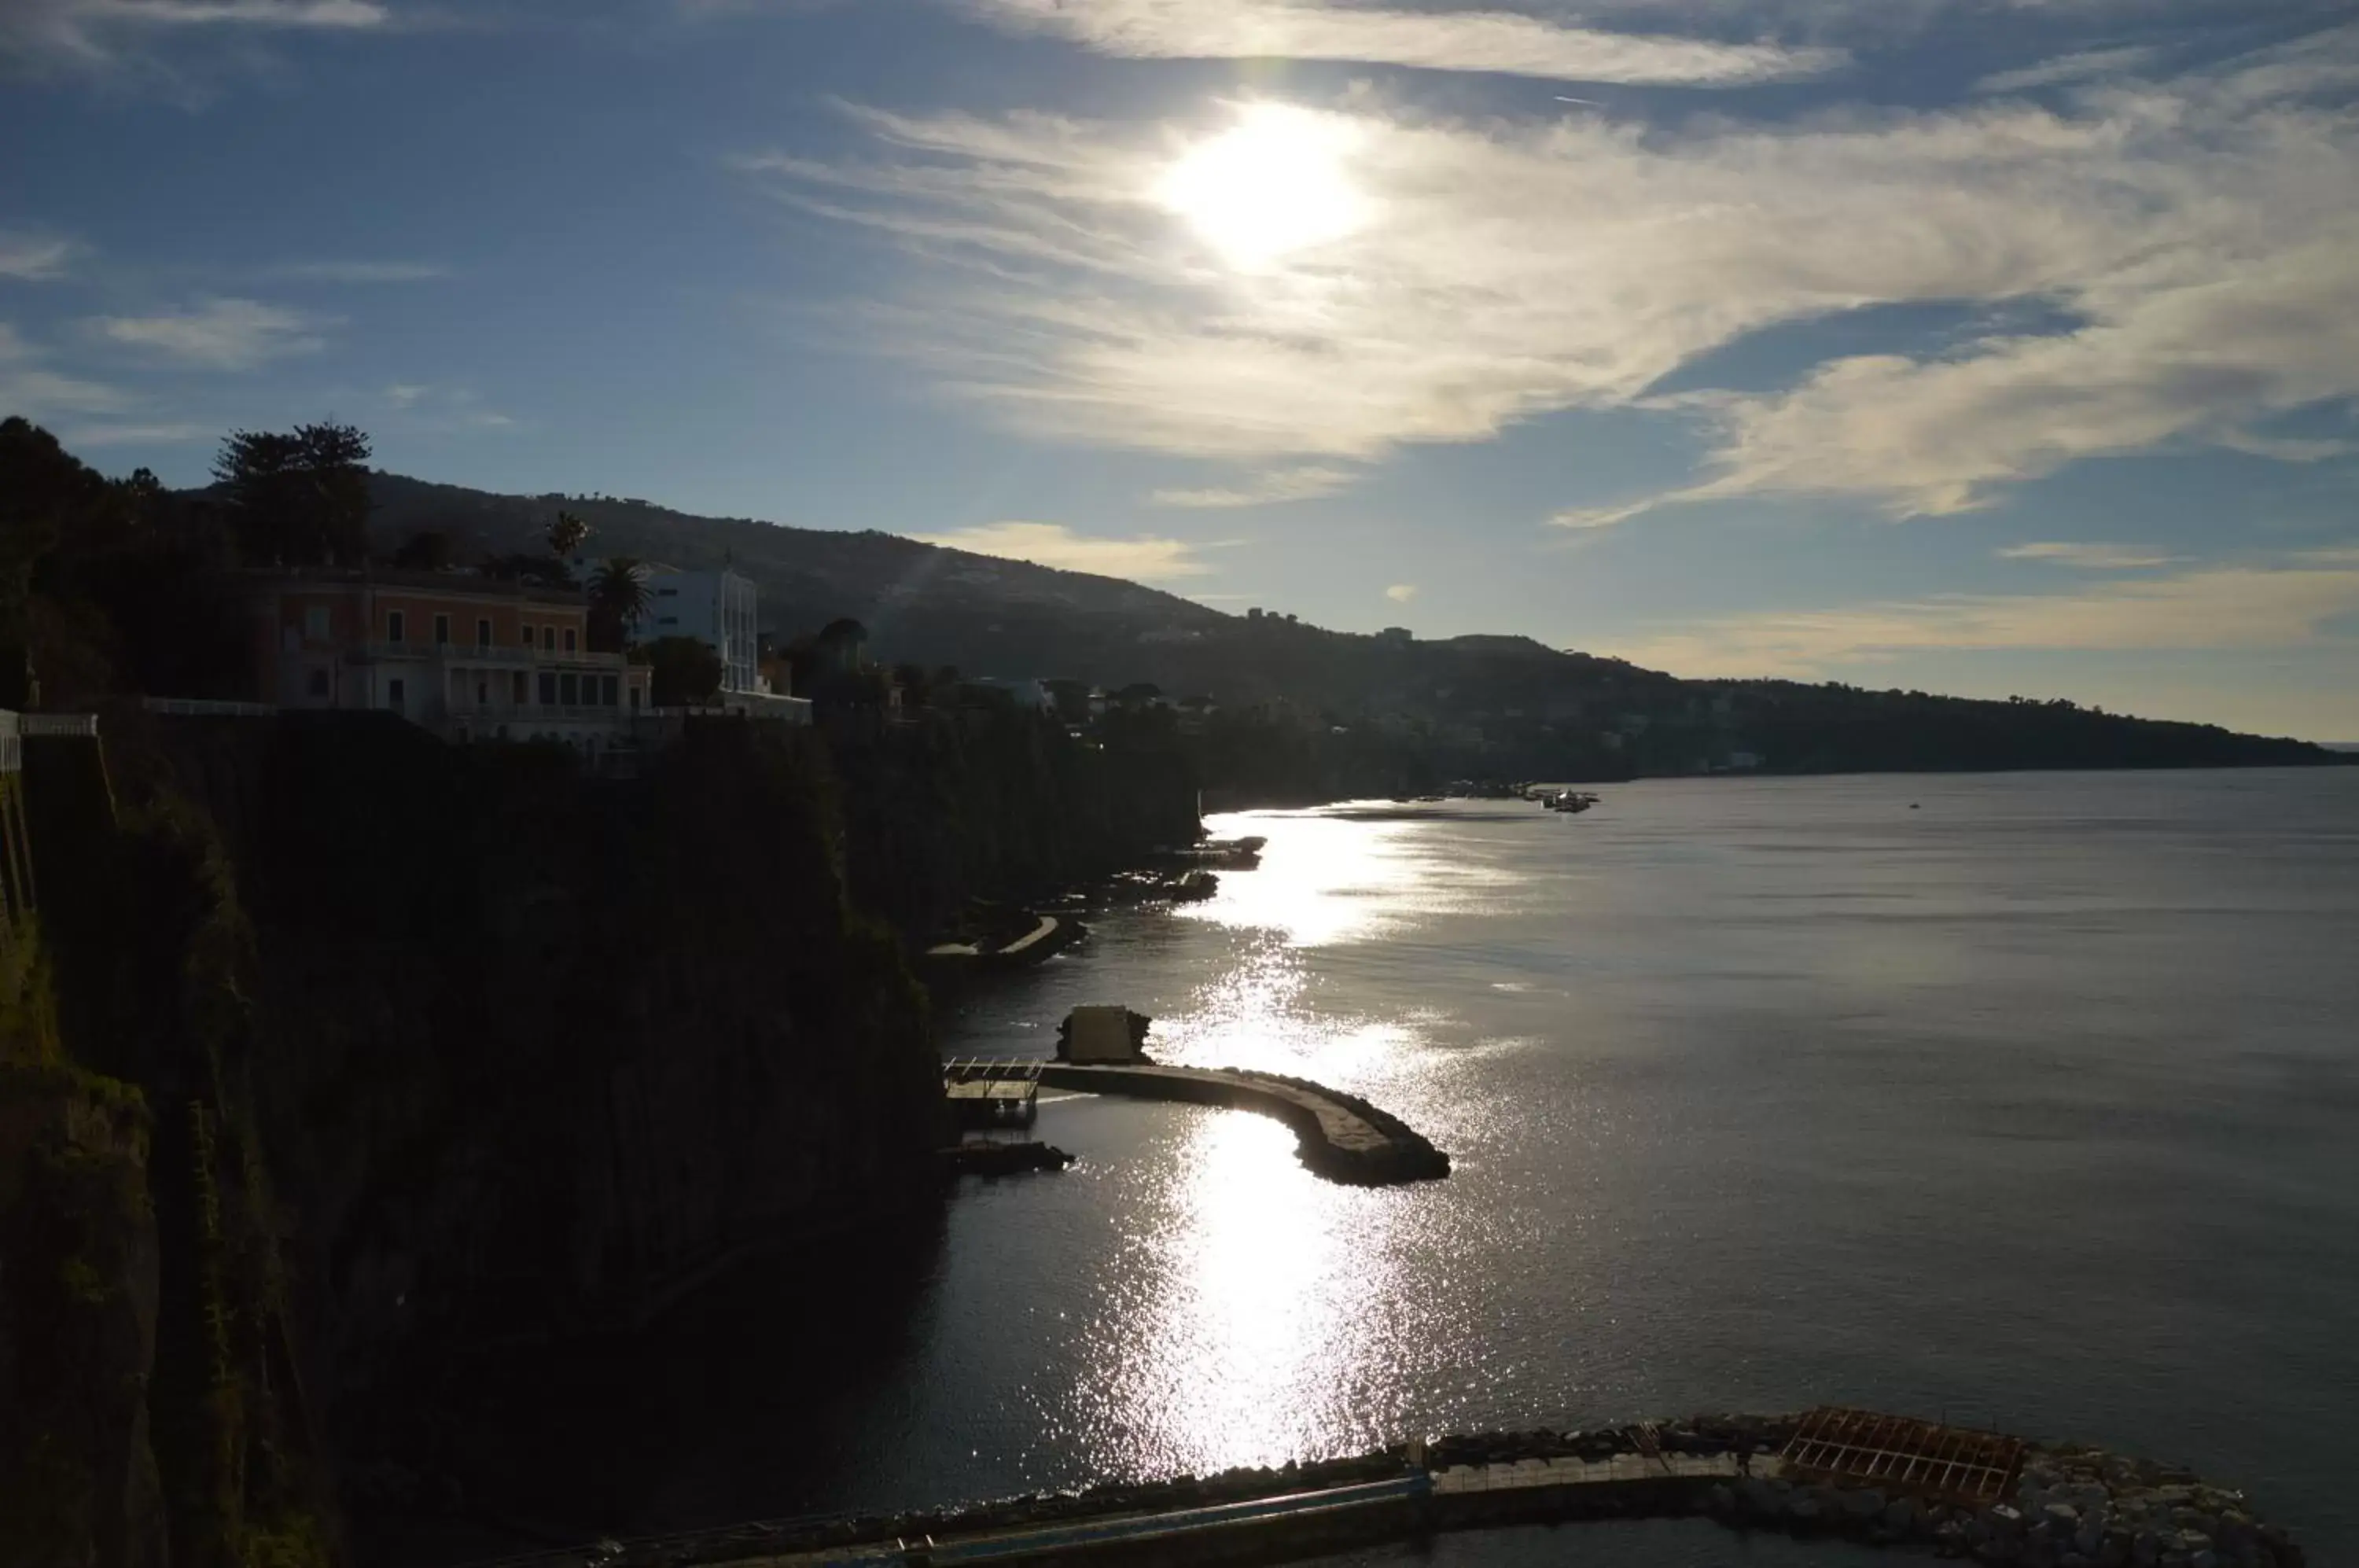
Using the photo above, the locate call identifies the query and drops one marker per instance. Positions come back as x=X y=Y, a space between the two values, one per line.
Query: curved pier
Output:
x=1339 y=1136
x=1995 y=1500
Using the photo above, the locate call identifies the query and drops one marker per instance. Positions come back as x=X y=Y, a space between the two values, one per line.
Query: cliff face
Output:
x=1004 y=807
x=78 y=1476
x=457 y=1049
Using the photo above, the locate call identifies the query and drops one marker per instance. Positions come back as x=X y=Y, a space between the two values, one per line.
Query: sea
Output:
x=2022 y=1101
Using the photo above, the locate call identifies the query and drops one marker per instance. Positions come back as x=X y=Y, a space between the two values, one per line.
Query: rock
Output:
x=1863 y=1504
x=1720 y=1500
x=1900 y=1516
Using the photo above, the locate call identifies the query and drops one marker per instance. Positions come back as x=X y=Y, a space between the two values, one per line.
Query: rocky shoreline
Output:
x=2073 y=1506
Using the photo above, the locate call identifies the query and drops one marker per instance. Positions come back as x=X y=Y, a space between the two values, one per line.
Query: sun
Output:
x=1275 y=183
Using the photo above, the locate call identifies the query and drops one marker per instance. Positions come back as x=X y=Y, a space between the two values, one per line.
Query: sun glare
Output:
x=1271 y=185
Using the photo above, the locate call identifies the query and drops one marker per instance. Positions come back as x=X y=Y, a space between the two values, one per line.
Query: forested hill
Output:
x=1498 y=706
x=919 y=602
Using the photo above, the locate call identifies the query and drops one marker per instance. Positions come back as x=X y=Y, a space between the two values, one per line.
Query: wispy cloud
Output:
x=1401 y=592
x=2286 y=604
x=2196 y=230
x=2090 y=557
x=360 y=271
x=419 y=408
x=217 y=335
x=34 y=258
x=135 y=39
x=130 y=435
x=1499 y=41
x=1281 y=485
x=2086 y=65
x=1142 y=559
x=29 y=387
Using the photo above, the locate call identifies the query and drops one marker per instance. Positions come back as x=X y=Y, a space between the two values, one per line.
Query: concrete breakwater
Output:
x=1339 y=1136
x=2061 y=1506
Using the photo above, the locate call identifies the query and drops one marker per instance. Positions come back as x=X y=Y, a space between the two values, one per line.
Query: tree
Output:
x=429 y=550
x=566 y=535
x=619 y=597
x=524 y=566
x=681 y=671
x=300 y=498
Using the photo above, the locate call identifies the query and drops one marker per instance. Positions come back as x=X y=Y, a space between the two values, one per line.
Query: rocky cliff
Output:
x=442 y=1050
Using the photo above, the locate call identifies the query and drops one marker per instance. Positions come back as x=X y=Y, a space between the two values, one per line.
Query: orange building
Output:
x=471 y=658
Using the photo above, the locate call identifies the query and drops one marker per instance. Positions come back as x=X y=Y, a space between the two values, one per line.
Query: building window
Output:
x=392 y=627
x=517 y=690
x=569 y=688
x=635 y=699
x=483 y=693
x=548 y=689
x=441 y=631
x=527 y=636
x=483 y=631
x=315 y=622
x=394 y=695
x=606 y=691
x=317 y=684
x=568 y=639
x=548 y=640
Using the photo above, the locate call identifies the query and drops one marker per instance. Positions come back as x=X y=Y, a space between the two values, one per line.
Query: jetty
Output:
x=1338 y=1136
x=1855 y=1474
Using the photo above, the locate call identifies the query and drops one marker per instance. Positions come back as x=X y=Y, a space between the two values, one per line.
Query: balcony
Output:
x=480 y=653
x=529 y=713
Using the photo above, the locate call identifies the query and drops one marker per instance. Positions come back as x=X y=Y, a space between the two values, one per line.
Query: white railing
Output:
x=743 y=705
x=479 y=653
x=541 y=713
x=72 y=727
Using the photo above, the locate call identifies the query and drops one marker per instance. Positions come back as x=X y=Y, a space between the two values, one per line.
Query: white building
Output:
x=717 y=609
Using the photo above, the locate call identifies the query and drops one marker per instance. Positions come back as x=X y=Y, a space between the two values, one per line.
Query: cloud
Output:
x=1141 y=560
x=360 y=271
x=2090 y=557
x=1277 y=485
x=29 y=387
x=1401 y=592
x=1441 y=40
x=2083 y=66
x=217 y=335
x=235 y=13
x=2196 y=231
x=2286 y=604
x=416 y=408
x=129 y=435
x=126 y=39
x=34 y=258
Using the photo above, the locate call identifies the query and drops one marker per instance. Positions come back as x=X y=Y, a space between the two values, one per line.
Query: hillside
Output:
x=1488 y=705
x=920 y=603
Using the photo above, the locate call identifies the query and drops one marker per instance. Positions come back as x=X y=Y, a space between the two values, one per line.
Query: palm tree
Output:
x=619 y=597
x=566 y=534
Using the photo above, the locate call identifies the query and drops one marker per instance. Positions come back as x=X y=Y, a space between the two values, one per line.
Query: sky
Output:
x=1983 y=346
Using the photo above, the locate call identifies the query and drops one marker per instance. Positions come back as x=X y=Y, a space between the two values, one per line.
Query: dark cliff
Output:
x=448 y=1050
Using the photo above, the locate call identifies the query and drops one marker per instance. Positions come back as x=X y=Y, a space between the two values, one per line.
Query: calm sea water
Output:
x=2028 y=1100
